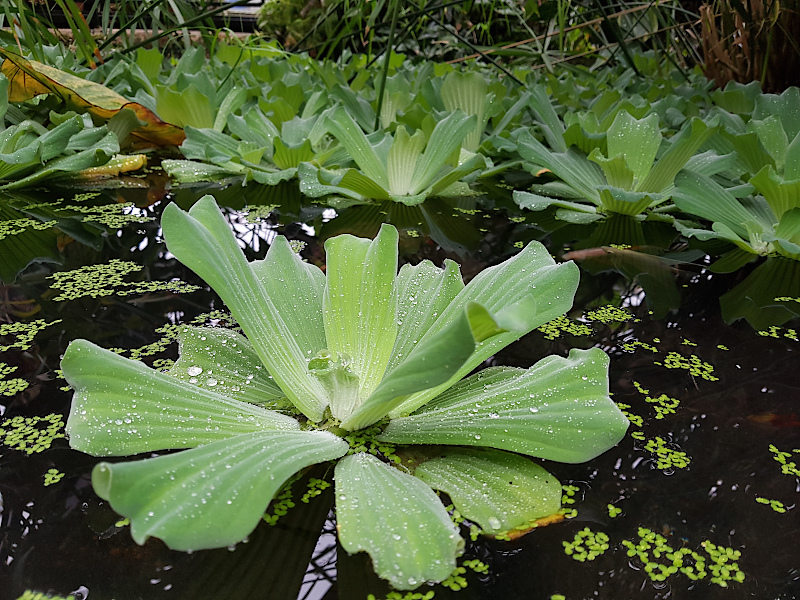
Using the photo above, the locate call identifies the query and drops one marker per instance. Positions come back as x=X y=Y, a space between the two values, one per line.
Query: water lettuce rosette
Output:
x=359 y=352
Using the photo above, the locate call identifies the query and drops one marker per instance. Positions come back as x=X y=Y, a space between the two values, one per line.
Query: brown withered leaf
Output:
x=28 y=78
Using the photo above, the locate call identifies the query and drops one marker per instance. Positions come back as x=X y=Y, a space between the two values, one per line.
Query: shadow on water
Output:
x=713 y=405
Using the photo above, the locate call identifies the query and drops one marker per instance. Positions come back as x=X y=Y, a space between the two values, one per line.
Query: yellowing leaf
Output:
x=28 y=78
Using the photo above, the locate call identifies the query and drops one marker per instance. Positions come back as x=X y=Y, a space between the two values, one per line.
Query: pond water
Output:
x=708 y=467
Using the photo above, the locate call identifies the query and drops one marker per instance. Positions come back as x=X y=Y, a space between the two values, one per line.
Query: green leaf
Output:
x=558 y=409
x=469 y=93
x=202 y=240
x=349 y=134
x=403 y=156
x=122 y=407
x=773 y=137
x=626 y=203
x=359 y=306
x=537 y=202
x=791 y=169
x=224 y=362
x=397 y=519
x=296 y=289
x=508 y=291
x=470 y=165
x=497 y=490
x=681 y=149
x=699 y=195
x=571 y=167
x=286 y=157
x=637 y=140
x=361 y=185
x=781 y=195
x=444 y=141
x=549 y=122
x=189 y=171
x=214 y=495
x=615 y=169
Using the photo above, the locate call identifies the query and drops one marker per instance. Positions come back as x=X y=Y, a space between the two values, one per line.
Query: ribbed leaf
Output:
x=468 y=92
x=403 y=156
x=360 y=311
x=287 y=157
x=497 y=490
x=701 y=196
x=349 y=134
x=626 y=203
x=537 y=202
x=296 y=289
x=224 y=362
x=635 y=139
x=214 y=495
x=558 y=409
x=508 y=291
x=781 y=195
x=615 y=169
x=445 y=139
x=203 y=241
x=397 y=519
x=122 y=407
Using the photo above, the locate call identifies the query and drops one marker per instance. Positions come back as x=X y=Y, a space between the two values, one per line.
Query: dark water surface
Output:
x=729 y=395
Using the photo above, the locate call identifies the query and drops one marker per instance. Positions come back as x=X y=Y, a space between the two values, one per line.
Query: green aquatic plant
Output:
x=332 y=363
x=403 y=167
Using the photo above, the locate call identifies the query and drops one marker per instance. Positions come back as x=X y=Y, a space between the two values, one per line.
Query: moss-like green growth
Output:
x=692 y=363
x=31 y=595
x=31 y=434
x=775 y=505
x=586 y=545
x=610 y=314
x=107 y=279
x=53 y=476
x=787 y=467
x=561 y=326
x=23 y=333
x=666 y=458
x=10 y=387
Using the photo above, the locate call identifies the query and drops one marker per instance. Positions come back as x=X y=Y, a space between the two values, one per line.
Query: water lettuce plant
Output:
x=331 y=364
x=330 y=361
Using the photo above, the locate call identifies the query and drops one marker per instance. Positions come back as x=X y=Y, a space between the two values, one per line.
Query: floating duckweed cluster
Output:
x=364 y=440
x=610 y=314
x=635 y=420
x=17 y=226
x=562 y=325
x=458 y=519
x=568 y=497
x=787 y=468
x=280 y=506
x=456 y=582
x=587 y=545
x=613 y=511
x=106 y=280
x=722 y=564
x=692 y=363
x=23 y=332
x=775 y=332
x=666 y=458
x=631 y=345
x=722 y=347
x=407 y=596
x=10 y=387
x=315 y=488
x=31 y=595
x=775 y=505
x=664 y=405
x=257 y=213
x=53 y=476
x=687 y=342
x=110 y=215
x=31 y=434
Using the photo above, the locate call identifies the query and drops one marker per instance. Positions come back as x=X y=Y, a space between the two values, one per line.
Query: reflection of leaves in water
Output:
x=105 y=279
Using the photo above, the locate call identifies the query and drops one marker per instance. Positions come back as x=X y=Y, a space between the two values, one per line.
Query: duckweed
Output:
x=10 y=387
x=17 y=226
x=31 y=595
x=280 y=506
x=631 y=345
x=635 y=420
x=775 y=332
x=115 y=216
x=562 y=325
x=664 y=405
x=613 y=511
x=775 y=505
x=257 y=213
x=23 y=333
x=315 y=488
x=31 y=434
x=106 y=280
x=666 y=458
x=407 y=596
x=787 y=468
x=364 y=440
x=610 y=314
x=691 y=363
x=721 y=565
x=456 y=582
x=53 y=476
x=586 y=545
